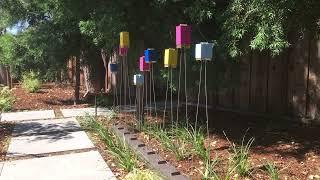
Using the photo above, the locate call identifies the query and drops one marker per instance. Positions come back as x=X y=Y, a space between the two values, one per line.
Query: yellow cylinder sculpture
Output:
x=170 y=58
x=124 y=40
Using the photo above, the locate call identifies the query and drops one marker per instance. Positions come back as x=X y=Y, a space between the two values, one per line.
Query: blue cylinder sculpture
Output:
x=113 y=67
x=150 y=55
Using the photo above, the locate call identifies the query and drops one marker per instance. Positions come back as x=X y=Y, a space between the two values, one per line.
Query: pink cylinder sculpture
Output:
x=183 y=36
x=143 y=66
x=123 y=51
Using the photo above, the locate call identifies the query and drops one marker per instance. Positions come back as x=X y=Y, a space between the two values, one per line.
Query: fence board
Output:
x=225 y=94
x=277 y=85
x=297 y=87
x=314 y=80
x=259 y=82
x=242 y=93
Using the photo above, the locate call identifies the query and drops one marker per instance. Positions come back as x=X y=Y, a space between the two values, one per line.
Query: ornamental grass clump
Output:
x=272 y=171
x=239 y=159
x=30 y=82
x=124 y=157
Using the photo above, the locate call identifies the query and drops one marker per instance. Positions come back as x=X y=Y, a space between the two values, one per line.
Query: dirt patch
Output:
x=5 y=136
x=50 y=96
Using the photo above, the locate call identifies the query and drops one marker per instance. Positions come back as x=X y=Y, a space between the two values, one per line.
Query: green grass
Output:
x=124 y=157
x=209 y=172
x=178 y=147
x=179 y=140
x=272 y=171
x=239 y=159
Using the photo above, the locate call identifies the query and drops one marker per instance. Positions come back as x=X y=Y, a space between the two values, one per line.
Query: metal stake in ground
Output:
x=138 y=81
x=144 y=67
x=204 y=52
x=170 y=62
x=151 y=57
x=114 y=69
x=183 y=41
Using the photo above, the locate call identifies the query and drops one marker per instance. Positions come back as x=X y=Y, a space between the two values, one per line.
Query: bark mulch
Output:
x=293 y=148
x=50 y=96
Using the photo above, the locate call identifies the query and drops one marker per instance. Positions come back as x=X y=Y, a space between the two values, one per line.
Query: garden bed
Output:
x=50 y=96
x=121 y=160
x=5 y=136
x=283 y=150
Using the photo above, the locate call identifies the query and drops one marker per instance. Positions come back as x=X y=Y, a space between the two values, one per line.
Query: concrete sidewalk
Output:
x=53 y=149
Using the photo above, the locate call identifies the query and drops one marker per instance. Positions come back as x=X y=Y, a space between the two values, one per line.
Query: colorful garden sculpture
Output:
x=170 y=58
x=138 y=80
x=114 y=67
x=150 y=55
x=183 y=36
x=143 y=66
x=124 y=40
x=204 y=51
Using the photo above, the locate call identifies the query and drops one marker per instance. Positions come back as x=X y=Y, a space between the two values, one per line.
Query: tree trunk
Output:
x=9 y=83
x=106 y=67
x=77 y=82
x=90 y=89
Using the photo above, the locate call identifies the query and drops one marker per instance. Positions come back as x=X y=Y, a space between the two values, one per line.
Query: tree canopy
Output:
x=58 y=29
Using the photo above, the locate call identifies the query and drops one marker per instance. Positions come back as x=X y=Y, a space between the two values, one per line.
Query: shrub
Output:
x=6 y=99
x=30 y=82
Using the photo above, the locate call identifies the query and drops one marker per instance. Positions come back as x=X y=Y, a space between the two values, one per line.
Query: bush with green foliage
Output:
x=6 y=99
x=30 y=82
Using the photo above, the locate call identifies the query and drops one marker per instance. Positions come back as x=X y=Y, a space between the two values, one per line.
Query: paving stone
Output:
x=84 y=111
x=45 y=126
x=27 y=115
x=1 y=166
x=48 y=142
x=79 y=166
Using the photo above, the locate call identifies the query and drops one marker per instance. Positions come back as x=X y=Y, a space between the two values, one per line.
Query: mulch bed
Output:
x=294 y=148
x=5 y=136
x=50 y=96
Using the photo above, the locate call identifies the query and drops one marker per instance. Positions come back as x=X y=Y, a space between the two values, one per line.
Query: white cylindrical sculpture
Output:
x=138 y=80
x=204 y=51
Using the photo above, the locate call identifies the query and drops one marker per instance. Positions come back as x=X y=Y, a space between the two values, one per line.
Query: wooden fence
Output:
x=288 y=84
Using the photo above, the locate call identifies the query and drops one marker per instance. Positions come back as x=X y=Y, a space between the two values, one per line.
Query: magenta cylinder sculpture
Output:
x=183 y=36
x=143 y=66
x=123 y=51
